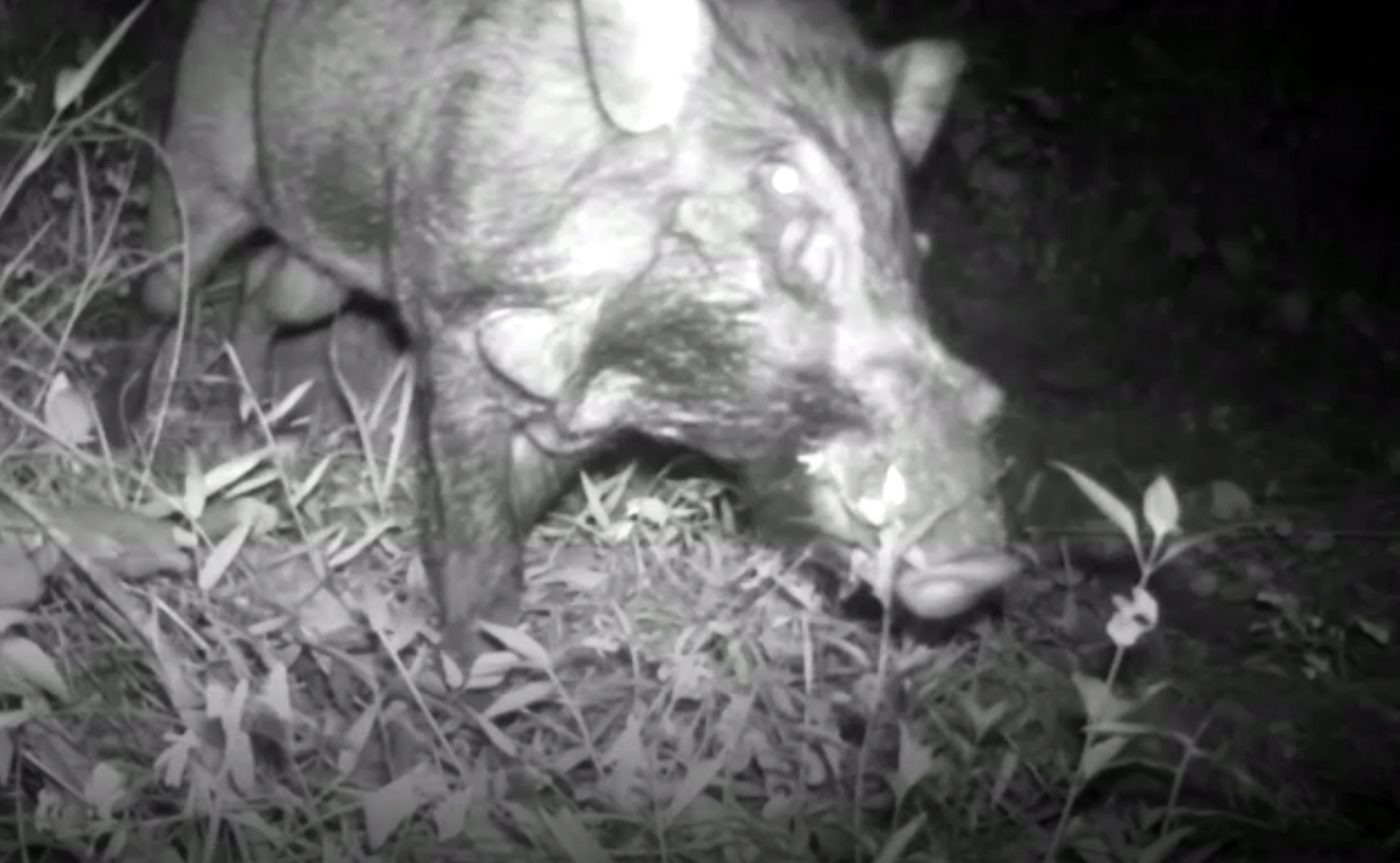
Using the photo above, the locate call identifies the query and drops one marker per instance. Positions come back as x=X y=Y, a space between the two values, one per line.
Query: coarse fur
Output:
x=680 y=217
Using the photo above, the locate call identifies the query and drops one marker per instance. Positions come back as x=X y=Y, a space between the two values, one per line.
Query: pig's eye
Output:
x=783 y=179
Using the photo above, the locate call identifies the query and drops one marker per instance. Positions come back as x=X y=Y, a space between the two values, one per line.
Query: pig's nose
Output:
x=948 y=588
x=982 y=400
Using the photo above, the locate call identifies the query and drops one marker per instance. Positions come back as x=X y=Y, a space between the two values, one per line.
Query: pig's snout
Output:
x=959 y=559
x=951 y=541
x=919 y=473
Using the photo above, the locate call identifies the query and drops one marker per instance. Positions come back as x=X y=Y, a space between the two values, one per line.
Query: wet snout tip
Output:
x=988 y=569
x=984 y=401
x=951 y=587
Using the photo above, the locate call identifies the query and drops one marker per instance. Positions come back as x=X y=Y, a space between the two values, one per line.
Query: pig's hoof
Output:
x=465 y=641
x=462 y=641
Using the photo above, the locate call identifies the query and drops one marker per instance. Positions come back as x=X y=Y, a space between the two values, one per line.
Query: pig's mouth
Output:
x=936 y=565
x=933 y=575
x=952 y=586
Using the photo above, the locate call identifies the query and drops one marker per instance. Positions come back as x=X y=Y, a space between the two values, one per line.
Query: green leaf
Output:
x=71 y=84
x=1112 y=508
x=900 y=840
x=1100 y=755
x=519 y=642
x=1161 y=509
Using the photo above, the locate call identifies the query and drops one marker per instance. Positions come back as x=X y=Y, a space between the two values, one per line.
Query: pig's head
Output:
x=779 y=326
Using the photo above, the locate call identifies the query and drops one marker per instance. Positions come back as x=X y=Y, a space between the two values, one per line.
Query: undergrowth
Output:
x=214 y=652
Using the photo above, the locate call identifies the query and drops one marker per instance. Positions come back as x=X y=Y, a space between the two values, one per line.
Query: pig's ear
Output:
x=535 y=349
x=923 y=76
x=645 y=56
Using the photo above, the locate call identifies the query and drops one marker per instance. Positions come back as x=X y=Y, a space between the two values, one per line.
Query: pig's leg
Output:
x=216 y=222
x=487 y=485
x=254 y=327
x=283 y=290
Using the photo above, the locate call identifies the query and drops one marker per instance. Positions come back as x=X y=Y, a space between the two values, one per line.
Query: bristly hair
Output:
x=806 y=62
